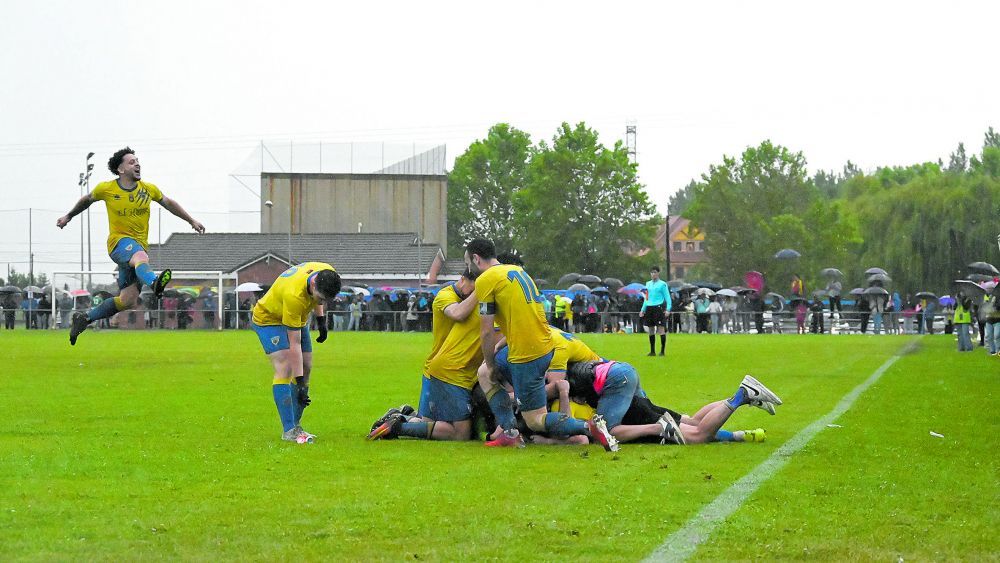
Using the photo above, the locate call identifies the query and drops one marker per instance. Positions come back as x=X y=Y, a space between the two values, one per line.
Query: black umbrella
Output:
x=568 y=279
x=578 y=287
x=797 y=299
x=881 y=278
x=708 y=285
x=871 y=271
x=819 y=293
x=774 y=296
x=688 y=287
x=675 y=284
x=831 y=273
x=590 y=280
x=613 y=284
x=171 y=293
x=540 y=282
x=969 y=288
x=857 y=291
x=978 y=278
x=9 y=290
x=875 y=290
x=926 y=295
x=601 y=289
x=984 y=267
x=787 y=254
x=102 y=294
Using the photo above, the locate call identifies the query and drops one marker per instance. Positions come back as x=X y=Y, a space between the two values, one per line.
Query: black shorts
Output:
x=654 y=316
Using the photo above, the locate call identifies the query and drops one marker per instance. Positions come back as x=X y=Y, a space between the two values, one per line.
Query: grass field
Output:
x=138 y=446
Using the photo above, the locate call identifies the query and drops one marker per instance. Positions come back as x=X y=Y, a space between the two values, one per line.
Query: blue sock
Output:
x=145 y=273
x=417 y=429
x=558 y=424
x=502 y=408
x=738 y=400
x=296 y=405
x=105 y=310
x=284 y=400
x=724 y=436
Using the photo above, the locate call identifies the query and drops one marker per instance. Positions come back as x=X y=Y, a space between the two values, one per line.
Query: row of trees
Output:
x=23 y=280
x=923 y=223
x=569 y=205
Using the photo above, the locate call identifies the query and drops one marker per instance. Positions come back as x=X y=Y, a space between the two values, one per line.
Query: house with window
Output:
x=686 y=243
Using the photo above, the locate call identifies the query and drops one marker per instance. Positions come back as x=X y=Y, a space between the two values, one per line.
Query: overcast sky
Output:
x=195 y=86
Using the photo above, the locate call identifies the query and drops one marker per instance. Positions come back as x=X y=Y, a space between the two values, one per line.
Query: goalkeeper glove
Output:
x=321 y=325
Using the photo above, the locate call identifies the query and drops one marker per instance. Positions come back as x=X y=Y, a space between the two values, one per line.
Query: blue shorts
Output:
x=274 y=338
x=616 y=397
x=123 y=252
x=440 y=400
x=528 y=380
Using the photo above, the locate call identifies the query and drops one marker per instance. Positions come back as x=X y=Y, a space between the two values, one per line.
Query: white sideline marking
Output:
x=684 y=542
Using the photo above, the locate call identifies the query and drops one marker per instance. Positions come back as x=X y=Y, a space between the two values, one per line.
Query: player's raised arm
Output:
x=458 y=312
x=81 y=204
x=175 y=208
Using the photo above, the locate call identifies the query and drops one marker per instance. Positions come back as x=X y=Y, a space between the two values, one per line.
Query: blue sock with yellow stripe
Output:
x=145 y=273
x=105 y=310
x=285 y=401
x=558 y=424
x=298 y=407
x=417 y=429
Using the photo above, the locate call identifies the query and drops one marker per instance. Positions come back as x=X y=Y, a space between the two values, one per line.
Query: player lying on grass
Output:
x=127 y=199
x=281 y=321
x=613 y=389
x=445 y=411
x=508 y=295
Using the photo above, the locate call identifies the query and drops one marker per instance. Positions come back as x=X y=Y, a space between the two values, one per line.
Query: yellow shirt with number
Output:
x=128 y=210
x=289 y=302
x=457 y=352
x=568 y=350
x=512 y=295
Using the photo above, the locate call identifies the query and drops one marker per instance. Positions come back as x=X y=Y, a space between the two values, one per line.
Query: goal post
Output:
x=218 y=278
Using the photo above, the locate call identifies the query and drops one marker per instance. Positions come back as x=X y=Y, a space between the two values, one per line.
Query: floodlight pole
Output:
x=666 y=243
x=90 y=254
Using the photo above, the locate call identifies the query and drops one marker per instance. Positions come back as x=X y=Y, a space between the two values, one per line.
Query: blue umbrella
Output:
x=635 y=286
x=787 y=254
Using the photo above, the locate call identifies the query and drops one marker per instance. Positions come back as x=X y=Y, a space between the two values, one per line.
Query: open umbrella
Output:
x=627 y=291
x=9 y=290
x=171 y=292
x=984 y=267
x=636 y=286
x=380 y=291
x=247 y=287
x=774 y=296
x=613 y=284
x=880 y=278
x=727 y=293
x=601 y=289
x=797 y=299
x=875 y=290
x=568 y=279
x=925 y=295
x=590 y=280
x=102 y=294
x=947 y=300
x=675 y=284
x=754 y=280
x=831 y=273
x=578 y=287
x=189 y=291
x=819 y=294
x=979 y=278
x=688 y=287
x=857 y=291
x=969 y=288
x=539 y=282
x=704 y=291
x=708 y=285
x=787 y=254
x=80 y=293
x=871 y=271
x=33 y=289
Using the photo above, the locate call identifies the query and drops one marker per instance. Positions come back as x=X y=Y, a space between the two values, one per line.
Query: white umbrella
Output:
x=247 y=286
x=727 y=293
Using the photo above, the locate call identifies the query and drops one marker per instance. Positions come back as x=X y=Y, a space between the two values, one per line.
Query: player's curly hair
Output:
x=328 y=283
x=116 y=159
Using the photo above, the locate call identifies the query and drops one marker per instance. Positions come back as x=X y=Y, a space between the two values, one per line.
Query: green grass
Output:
x=164 y=446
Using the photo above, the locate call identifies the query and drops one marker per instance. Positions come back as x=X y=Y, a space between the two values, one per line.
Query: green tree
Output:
x=681 y=199
x=755 y=205
x=583 y=209
x=23 y=280
x=481 y=187
x=958 y=162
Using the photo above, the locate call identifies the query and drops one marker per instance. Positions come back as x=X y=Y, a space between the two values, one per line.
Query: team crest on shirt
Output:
x=129 y=247
x=275 y=340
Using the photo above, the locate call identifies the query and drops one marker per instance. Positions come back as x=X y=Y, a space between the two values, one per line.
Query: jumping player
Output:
x=281 y=321
x=127 y=199
x=508 y=295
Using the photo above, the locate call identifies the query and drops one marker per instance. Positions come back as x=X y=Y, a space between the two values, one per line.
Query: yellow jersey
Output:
x=289 y=302
x=459 y=353
x=440 y=323
x=569 y=349
x=128 y=210
x=509 y=293
x=576 y=410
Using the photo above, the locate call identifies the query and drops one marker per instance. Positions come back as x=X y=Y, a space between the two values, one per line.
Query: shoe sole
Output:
x=603 y=436
x=677 y=429
x=382 y=430
x=160 y=285
x=765 y=406
x=764 y=394
x=73 y=332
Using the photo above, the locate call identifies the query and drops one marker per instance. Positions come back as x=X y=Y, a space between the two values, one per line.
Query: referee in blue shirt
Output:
x=654 y=310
